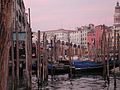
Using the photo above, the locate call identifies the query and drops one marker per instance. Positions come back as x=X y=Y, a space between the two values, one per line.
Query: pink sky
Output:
x=69 y=14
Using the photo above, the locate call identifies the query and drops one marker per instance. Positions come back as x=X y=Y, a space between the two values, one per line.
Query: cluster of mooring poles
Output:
x=105 y=54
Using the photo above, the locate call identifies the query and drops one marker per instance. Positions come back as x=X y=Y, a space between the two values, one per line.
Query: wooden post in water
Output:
x=114 y=52
x=14 y=85
x=29 y=54
x=17 y=50
x=45 y=57
x=55 y=56
x=27 y=57
x=69 y=53
x=51 y=42
x=108 y=47
x=43 y=60
x=89 y=50
x=6 y=17
x=104 y=51
x=62 y=49
x=38 y=60
x=118 y=49
x=79 y=52
x=100 y=50
x=13 y=65
x=30 y=50
x=17 y=57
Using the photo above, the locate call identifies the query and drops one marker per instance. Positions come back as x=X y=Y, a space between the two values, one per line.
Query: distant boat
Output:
x=83 y=65
x=59 y=68
x=63 y=66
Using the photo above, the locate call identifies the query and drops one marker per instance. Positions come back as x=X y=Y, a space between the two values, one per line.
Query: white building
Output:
x=20 y=16
x=61 y=34
x=79 y=36
x=116 y=28
x=117 y=19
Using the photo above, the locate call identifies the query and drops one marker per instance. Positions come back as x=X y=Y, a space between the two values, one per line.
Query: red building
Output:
x=98 y=35
x=91 y=39
x=94 y=39
x=91 y=43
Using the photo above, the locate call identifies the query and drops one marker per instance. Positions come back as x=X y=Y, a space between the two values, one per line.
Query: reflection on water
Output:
x=90 y=82
x=86 y=81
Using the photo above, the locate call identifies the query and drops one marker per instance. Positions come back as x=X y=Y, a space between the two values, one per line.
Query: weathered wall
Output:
x=5 y=34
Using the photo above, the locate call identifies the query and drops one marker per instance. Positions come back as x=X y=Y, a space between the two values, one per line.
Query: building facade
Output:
x=80 y=37
x=12 y=18
x=20 y=16
x=91 y=43
x=117 y=15
x=115 y=35
x=6 y=21
x=61 y=34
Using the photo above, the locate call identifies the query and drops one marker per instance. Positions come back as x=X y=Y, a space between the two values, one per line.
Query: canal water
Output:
x=81 y=82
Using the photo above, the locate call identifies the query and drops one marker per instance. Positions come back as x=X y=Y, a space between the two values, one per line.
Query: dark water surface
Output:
x=85 y=82
x=81 y=82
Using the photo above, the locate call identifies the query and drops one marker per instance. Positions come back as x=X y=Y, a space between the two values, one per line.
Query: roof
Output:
x=59 y=30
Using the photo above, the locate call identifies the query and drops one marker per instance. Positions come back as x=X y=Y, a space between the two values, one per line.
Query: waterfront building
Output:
x=116 y=29
x=116 y=26
x=101 y=30
x=117 y=19
x=20 y=16
x=98 y=35
x=12 y=17
x=61 y=34
x=117 y=15
x=79 y=37
x=91 y=43
x=6 y=20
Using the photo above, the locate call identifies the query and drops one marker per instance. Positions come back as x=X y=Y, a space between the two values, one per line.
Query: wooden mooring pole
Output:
x=104 y=52
x=17 y=51
x=14 y=85
x=118 y=37
x=108 y=47
x=51 y=59
x=114 y=55
x=55 y=53
x=13 y=65
x=69 y=54
x=38 y=60
x=29 y=55
x=17 y=57
x=30 y=51
x=46 y=53
x=44 y=58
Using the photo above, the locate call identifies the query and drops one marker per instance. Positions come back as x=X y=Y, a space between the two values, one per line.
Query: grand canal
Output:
x=81 y=82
